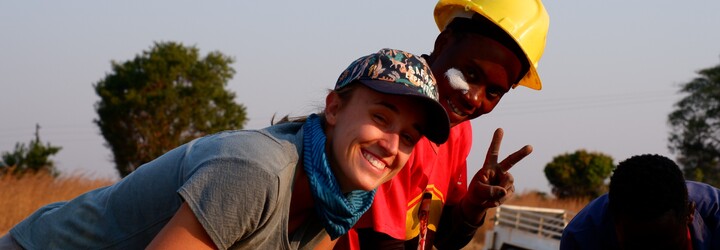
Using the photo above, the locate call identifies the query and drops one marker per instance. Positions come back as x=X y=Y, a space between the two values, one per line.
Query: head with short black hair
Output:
x=460 y=28
x=648 y=201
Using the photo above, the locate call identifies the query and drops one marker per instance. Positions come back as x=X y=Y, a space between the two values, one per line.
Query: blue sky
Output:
x=610 y=71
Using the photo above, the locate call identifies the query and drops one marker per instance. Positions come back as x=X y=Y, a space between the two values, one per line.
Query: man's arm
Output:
x=491 y=186
x=454 y=231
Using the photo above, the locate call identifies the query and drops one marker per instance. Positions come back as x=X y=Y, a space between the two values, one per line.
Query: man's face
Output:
x=473 y=74
x=666 y=232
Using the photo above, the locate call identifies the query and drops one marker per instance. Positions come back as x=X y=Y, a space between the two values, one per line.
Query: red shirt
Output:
x=439 y=169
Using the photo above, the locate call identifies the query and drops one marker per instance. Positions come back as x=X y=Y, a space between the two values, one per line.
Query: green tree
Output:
x=163 y=98
x=695 y=127
x=32 y=158
x=580 y=174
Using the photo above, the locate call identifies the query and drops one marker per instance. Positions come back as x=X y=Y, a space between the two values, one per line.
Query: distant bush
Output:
x=35 y=157
x=580 y=174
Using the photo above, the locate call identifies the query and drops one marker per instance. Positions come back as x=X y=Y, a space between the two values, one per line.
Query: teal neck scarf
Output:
x=338 y=211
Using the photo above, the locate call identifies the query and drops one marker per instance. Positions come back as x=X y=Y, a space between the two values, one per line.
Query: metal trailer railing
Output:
x=540 y=224
x=545 y=222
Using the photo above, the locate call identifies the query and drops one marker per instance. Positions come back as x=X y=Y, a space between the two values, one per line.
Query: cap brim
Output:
x=438 y=123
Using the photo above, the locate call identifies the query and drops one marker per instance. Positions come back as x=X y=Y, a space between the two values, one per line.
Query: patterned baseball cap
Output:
x=397 y=72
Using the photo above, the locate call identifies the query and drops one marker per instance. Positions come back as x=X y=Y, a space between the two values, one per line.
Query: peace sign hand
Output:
x=492 y=185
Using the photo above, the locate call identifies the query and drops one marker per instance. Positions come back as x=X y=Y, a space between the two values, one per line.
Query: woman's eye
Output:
x=379 y=118
x=409 y=139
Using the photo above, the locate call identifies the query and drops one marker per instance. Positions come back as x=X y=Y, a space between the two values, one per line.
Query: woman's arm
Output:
x=183 y=231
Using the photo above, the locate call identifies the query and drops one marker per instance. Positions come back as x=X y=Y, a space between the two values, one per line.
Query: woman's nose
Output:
x=390 y=143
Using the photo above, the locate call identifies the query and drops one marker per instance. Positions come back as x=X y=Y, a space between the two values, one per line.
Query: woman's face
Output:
x=370 y=136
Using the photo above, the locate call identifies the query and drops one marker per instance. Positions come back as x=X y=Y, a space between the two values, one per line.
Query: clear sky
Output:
x=610 y=71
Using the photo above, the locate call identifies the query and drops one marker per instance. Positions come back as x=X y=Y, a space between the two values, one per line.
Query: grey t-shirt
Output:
x=238 y=184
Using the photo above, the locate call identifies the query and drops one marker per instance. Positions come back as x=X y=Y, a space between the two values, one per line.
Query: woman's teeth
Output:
x=375 y=162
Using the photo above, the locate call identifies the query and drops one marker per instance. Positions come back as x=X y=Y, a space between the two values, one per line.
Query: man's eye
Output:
x=495 y=92
x=472 y=77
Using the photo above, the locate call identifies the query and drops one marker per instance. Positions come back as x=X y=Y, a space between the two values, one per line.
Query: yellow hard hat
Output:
x=526 y=21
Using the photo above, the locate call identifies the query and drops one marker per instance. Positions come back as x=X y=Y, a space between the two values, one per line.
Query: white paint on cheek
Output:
x=457 y=80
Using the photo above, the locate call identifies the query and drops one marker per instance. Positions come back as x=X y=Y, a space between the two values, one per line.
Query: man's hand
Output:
x=492 y=184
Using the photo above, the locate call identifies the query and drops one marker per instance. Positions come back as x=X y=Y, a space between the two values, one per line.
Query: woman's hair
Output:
x=344 y=93
x=645 y=187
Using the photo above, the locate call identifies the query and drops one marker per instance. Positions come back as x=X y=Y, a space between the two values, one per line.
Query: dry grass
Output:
x=531 y=199
x=20 y=196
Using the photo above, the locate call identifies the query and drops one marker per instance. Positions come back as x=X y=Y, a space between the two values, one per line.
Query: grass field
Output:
x=19 y=197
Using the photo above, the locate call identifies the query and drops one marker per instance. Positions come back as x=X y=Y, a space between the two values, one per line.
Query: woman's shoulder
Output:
x=276 y=135
x=290 y=132
x=278 y=142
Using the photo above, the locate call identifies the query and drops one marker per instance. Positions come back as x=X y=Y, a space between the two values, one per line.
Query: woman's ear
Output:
x=332 y=106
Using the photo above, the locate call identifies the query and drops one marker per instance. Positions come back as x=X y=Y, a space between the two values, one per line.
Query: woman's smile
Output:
x=374 y=161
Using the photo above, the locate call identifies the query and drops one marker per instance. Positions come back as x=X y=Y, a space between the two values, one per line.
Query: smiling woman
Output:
x=293 y=185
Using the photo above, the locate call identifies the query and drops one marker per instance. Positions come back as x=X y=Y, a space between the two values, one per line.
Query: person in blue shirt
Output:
x=650 y=205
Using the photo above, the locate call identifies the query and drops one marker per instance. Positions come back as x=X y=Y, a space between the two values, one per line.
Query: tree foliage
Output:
x=695 y=127
x=580 y=174
x=33 y=158
x=163 y=98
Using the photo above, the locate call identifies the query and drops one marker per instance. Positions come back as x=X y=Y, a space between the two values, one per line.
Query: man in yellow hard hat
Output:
x=485 y=48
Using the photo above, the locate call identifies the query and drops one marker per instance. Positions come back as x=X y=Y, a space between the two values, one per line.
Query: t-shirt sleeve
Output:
x=234 y=186
x=231 y=202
